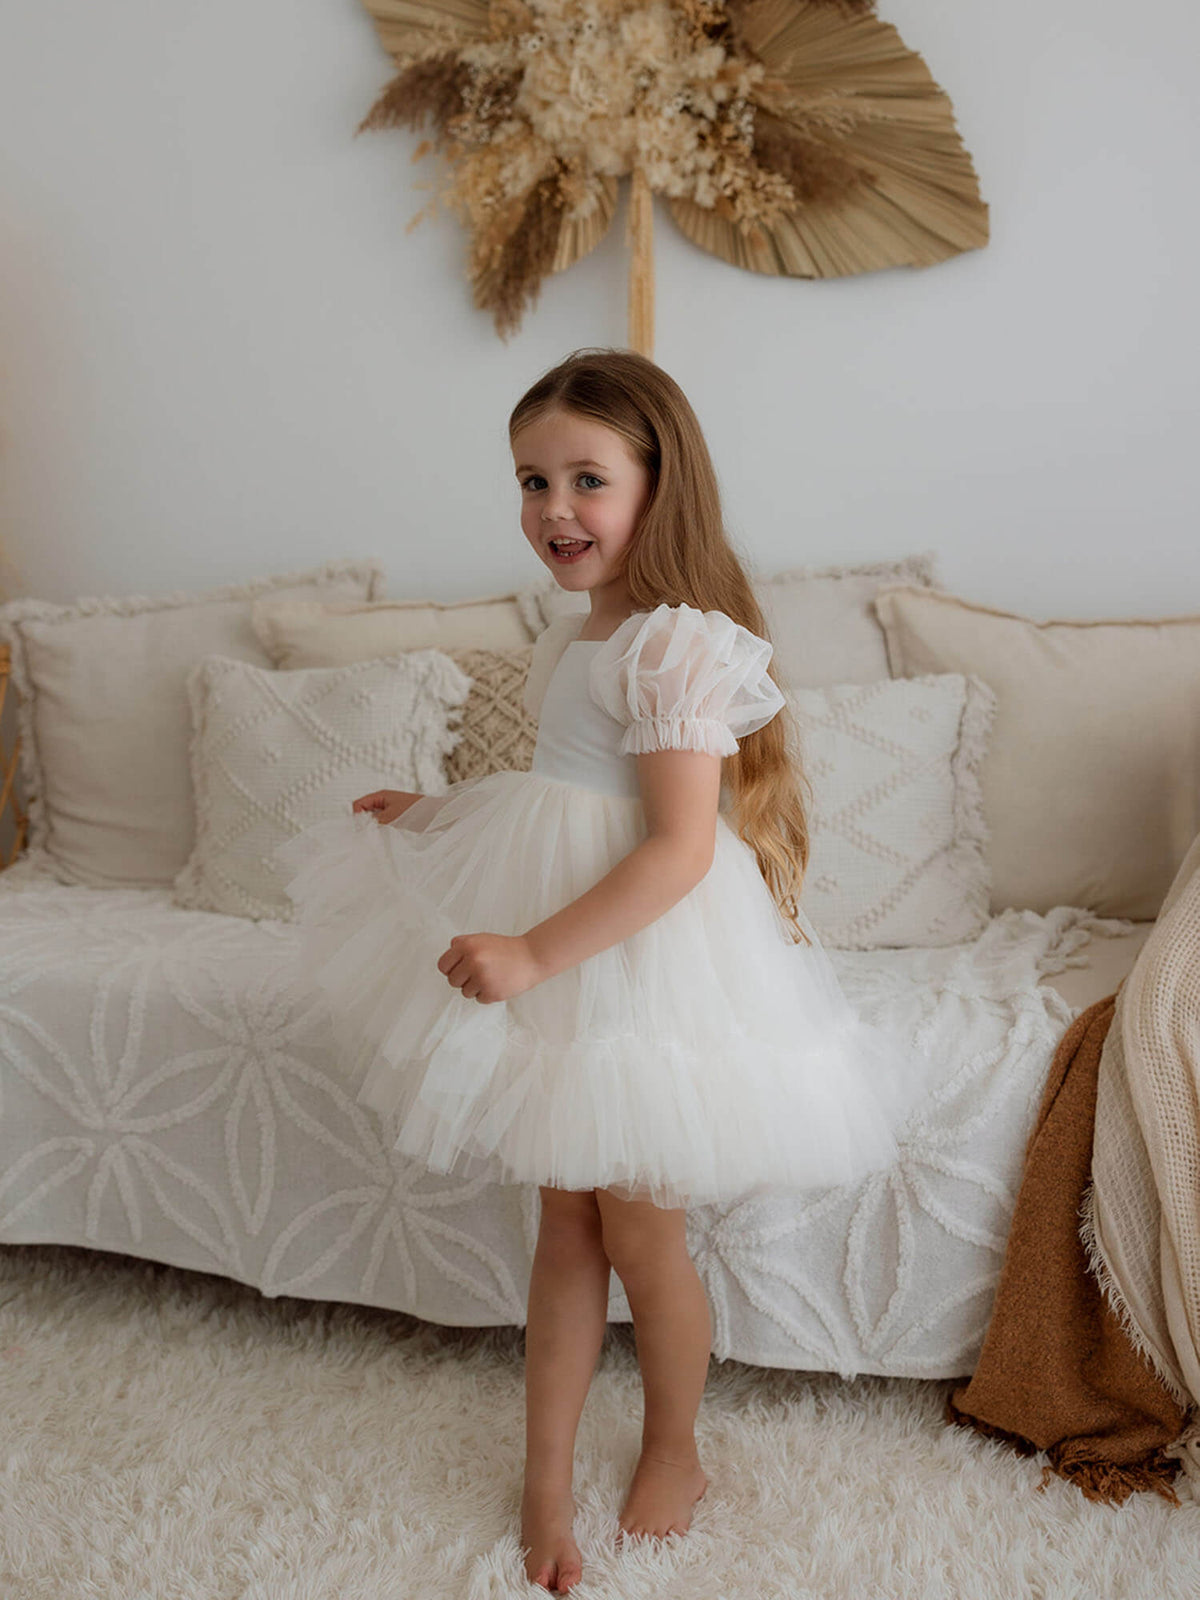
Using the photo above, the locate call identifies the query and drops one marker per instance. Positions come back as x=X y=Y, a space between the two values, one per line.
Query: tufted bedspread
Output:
x=163 y=1095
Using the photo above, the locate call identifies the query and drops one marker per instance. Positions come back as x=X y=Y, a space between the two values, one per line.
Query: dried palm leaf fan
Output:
x=794 y=137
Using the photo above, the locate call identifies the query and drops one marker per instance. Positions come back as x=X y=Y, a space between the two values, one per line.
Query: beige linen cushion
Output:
x=822 y=624
x=317 y=633
x=1092 y=780
x=103 y=716
x=897 y=830
x=819 y=619
x=274 y=751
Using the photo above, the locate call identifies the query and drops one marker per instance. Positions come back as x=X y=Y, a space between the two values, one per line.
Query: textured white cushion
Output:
x=103 y=716
x=897 y=831
x=274 y=751
x=819 y=619
x=316 y=633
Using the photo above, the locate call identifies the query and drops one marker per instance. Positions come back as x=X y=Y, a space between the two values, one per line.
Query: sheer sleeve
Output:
x=683 y=679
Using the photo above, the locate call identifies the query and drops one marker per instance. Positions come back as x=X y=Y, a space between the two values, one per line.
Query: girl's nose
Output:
x=558 y=505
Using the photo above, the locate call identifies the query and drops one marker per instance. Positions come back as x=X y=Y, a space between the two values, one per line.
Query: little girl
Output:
x=596 y=975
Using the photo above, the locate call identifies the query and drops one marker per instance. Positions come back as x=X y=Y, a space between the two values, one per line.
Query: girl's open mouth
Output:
x=570 y=549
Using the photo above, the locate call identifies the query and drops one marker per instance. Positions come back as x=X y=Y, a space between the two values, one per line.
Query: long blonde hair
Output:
x=680 y=552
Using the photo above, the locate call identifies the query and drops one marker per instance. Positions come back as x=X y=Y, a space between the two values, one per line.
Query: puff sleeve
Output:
x=684 y=679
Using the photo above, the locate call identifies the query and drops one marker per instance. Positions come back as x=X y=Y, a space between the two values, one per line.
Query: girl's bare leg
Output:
x=647 y=1245
x=568 y=1310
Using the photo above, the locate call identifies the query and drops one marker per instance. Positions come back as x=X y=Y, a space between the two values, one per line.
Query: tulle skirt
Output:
x=702 y=1059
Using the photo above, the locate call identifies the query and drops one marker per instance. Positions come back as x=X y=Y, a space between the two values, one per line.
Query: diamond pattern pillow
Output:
x=897 y=827
x=498 y=734
x=103 y=716
x=274 y=751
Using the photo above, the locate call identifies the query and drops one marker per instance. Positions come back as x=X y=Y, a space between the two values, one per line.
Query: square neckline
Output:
x=620 y=624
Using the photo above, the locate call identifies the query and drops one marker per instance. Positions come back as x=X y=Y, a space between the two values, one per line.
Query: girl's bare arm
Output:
x=680 y=791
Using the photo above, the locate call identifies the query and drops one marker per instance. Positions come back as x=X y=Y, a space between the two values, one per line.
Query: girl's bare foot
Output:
x=553 y=1559
x=661 y=1497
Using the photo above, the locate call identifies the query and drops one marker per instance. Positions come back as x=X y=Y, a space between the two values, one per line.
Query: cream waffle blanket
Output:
x=1141 y=1212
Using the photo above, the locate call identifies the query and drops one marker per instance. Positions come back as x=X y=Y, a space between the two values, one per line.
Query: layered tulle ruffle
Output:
x=701 y=1059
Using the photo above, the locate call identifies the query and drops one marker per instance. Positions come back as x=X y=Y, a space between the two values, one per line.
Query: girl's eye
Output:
x=536 y=477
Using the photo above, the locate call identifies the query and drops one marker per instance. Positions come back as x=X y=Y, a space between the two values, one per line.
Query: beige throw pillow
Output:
x=897 y=830
x=1092 y=779
x=822 y=624
x=316 y=633
x=103 y=716
x=274 y=751
x=819 y=619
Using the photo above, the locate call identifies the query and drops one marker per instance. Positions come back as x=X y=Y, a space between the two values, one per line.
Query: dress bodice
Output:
x=675 y=678
x=577 y=740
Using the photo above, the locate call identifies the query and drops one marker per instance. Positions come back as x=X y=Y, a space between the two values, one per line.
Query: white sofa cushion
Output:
x=1092 y=779
x=103 y=716
x=317 y=633
x=898 y=836
x=274 y=751
x=819 y=619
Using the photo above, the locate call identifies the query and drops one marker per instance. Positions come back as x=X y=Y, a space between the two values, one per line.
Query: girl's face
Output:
x=580 y=482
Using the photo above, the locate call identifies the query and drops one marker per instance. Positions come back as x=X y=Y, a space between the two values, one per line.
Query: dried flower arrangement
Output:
x=796 y=137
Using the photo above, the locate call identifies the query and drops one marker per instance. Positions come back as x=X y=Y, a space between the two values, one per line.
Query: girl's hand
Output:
x=387 y=804
x=490 y=966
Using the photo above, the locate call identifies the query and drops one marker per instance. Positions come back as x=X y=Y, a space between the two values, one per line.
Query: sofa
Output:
x=166 y=1083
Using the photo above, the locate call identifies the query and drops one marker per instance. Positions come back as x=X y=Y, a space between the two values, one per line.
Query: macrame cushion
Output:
x=897 y=831
x=103 y=716
x=497 y=732
x=1091 y=783
x=819 y=619
x=272 y=752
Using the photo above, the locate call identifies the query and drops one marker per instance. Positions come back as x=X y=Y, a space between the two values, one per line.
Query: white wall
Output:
x=222 y=355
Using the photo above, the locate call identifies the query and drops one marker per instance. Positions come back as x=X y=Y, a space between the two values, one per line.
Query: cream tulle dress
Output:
x=697 y=1061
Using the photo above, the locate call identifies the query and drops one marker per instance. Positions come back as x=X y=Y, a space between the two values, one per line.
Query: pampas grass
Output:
x=749 y=112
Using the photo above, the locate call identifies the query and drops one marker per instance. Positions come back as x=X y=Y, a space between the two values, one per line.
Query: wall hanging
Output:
x=793 y=137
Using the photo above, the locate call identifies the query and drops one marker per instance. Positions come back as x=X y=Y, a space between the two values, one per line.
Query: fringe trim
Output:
x=920 y=569
x=1072 y=927
x=369 y=573
x=1100 y=1269
x=529 y=606
x=1108 y=1482
x=972 y=833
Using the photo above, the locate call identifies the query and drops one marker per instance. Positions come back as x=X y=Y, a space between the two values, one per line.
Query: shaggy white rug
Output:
x=168 y=1435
